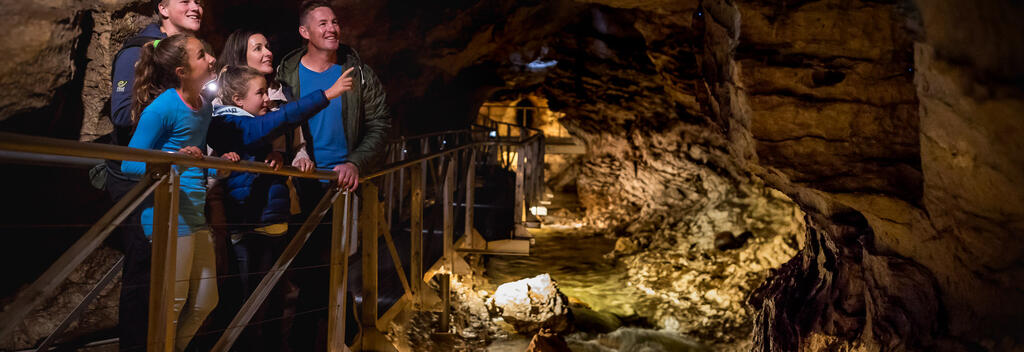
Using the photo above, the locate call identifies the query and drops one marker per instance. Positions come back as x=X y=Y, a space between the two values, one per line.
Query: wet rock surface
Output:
x=532 y=305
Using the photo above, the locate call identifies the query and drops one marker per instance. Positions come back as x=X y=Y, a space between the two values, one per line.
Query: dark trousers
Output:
x=133 y=310
x=310 y=274
x=253 y=256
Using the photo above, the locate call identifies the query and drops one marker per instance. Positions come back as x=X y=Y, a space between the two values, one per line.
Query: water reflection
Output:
x=577 y=262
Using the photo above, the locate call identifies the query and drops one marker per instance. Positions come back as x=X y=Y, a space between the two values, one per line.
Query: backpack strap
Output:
x=136 y=41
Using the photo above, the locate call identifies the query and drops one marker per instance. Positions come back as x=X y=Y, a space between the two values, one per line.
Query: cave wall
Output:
x=659 y=173
x=901 y=167
x=896 y=138
x=971 y=152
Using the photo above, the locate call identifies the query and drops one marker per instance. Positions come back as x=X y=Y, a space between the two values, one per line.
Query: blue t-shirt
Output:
x=168 y=124
x=330 y=148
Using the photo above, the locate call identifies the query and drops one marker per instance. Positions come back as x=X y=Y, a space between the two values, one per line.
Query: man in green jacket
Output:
x=346 y=137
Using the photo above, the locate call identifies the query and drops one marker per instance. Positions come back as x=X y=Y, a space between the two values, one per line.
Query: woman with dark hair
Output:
x=257 y=207
x=249 y=48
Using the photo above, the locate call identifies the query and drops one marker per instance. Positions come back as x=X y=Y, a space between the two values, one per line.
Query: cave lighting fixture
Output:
x=539 y=64
x=539 y=211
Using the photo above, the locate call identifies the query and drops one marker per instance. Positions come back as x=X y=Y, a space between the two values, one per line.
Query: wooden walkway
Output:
x=428 y=186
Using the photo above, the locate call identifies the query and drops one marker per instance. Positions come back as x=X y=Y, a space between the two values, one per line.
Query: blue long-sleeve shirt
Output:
x=235 y=130
x=168 y=124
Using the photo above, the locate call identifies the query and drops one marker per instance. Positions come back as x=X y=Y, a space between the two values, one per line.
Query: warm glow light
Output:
x=539 y=211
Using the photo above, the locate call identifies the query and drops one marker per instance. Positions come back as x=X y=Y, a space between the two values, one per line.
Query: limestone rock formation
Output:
x=56 y=68
x=532 y=304
x=100 y=314
x=546 y=341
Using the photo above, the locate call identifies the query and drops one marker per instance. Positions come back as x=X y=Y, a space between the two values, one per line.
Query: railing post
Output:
x=449 y=250
x=390 y=192
x=416 y=176
x=368 y=234
x=540 y=165
x=371 y=213
x=401 y=180
x=519 y=211
x=339 y=273
x=470 y=196
x=162 y=274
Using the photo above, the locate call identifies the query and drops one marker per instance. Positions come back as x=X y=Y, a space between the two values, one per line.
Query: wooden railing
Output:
x=431 y=163
x=487 y=115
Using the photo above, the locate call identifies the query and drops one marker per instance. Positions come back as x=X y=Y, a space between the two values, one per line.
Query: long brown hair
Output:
x=236 y=48
x=236 y=51
x=154 y=73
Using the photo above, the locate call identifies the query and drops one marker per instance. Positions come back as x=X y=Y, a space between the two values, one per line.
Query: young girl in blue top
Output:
x=171 y=116
x=258 y=204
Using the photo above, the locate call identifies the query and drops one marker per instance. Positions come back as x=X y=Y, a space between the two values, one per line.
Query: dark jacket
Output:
x=365 y=113
x=235 y=130
x=122 y=82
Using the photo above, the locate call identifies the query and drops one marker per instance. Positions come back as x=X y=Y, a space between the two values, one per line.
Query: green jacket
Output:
x=364 y=110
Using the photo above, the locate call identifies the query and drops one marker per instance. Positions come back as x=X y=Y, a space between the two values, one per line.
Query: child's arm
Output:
x=274 y=123
x=270 y=125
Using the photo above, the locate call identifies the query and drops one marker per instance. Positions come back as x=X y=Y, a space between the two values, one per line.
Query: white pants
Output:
x=195 y=287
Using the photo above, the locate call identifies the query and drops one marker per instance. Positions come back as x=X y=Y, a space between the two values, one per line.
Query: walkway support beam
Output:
x=162 y=271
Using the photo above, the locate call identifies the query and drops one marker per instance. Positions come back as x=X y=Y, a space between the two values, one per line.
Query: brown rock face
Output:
x=56 y=68
x=872 y=148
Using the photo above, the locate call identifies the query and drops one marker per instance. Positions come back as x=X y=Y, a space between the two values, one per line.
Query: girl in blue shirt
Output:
x=171 y=116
